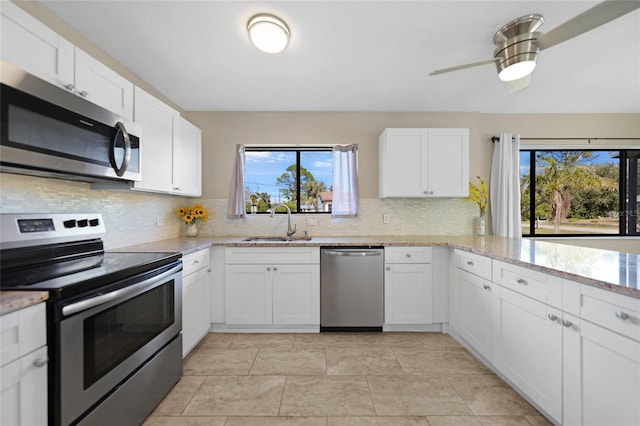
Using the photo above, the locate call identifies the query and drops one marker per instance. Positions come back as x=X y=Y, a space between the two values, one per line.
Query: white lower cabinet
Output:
x=277 y=286
x=471 y=310
x=23 y=375
x=408 y=285
x=196 y=312
x=527 y=347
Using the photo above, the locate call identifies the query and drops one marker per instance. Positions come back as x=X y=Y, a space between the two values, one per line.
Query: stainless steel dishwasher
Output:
x=352 y=288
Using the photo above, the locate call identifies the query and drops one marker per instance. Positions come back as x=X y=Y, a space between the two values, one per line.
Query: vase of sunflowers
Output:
x=191 y=216
x=479 y=195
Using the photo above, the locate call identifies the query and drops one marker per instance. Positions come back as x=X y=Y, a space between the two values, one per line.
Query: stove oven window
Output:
x=112 y=335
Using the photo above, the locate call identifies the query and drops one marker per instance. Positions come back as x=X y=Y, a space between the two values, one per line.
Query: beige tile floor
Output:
x=339 y=379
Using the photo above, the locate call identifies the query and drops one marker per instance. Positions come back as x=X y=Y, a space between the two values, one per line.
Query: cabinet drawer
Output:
x=271 y=255
x=193 y=262
x=407 y=255
x=534 y=284
x=474 y=263
x=22 y=331
x=616 y=312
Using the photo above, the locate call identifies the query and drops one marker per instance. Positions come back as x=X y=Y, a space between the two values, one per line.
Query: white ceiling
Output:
x=360 y=55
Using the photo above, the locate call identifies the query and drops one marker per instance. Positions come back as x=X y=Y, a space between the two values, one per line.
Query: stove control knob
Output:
x=83 y=222
x=94 y=222
x=71 y=223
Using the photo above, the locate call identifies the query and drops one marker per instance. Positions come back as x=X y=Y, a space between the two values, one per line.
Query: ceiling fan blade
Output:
x=514 y=86
x=461 y=67
x=598 y=15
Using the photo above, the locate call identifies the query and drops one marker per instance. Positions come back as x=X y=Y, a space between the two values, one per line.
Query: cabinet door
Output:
x=32 y=46
x=527 y=347
x=601 y=372
x=408 y=294
x=195 y=309
x=156 y=145
x=103 y=86
x=248 y=294
x=473 y=311
x=187 y=162
x=447 y=163
x=296 y=294
x=401 y=155
x=24 y=390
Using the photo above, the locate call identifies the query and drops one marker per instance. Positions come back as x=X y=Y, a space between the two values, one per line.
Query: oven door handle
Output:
x=122 y=293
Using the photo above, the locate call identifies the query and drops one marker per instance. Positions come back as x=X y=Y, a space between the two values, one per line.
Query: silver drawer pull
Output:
x=408 y=254
x=567 y=323
x=388 y=268
x=470 y=263
x=196 y=262
x=268 y=268
x=41 y=362
x=552 y=317
x=521 y=281
x=622 y=315
x=275 y=268
x=486 y=287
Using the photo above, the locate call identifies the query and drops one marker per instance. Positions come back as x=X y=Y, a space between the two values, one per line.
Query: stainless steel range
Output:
x=114 y=320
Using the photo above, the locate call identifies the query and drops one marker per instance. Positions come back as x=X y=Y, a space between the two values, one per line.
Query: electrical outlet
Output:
x=312 y=222
x=385 y=218
x=159 y=220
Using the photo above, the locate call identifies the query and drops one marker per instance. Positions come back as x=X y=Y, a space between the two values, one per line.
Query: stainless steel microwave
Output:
x=48 y=131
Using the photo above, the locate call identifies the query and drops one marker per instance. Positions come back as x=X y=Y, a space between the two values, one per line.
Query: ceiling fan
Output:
x=518 y=42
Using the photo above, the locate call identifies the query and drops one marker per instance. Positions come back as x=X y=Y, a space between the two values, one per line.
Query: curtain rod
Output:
x=495 y=139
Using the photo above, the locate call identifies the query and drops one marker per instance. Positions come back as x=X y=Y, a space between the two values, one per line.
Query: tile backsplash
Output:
x=134 y=217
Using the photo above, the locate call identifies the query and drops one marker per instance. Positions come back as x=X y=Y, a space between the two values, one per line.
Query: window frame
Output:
x=297 y=149
x=627 y=216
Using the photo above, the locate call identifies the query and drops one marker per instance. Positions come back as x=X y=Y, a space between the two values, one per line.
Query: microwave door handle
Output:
x=127 y=149
x=122 y=293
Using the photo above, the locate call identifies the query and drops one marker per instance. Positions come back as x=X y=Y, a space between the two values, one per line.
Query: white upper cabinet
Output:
x=103 y=86
x=156 y=145
x=32 y=46
x=35 y=48
x=170 y=148
x=187 y=159
x=421 y=163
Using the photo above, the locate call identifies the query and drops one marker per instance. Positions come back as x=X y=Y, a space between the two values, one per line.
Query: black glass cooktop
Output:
x=80 y=273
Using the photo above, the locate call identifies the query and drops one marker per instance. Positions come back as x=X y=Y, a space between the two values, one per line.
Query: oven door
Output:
x=107 y=337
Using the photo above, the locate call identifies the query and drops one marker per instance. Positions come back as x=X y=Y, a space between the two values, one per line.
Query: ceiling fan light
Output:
x=268 y=33
x=517 y=71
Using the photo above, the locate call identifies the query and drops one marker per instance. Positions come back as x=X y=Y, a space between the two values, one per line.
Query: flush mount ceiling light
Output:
x=268 y=33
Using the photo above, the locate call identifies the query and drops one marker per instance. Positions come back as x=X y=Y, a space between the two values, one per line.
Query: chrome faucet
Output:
x=290 y=231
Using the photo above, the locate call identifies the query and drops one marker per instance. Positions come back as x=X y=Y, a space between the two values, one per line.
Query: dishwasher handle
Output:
x=358 y=253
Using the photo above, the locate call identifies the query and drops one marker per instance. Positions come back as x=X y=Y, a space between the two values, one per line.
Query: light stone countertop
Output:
x=612 y=270
x=13 y=300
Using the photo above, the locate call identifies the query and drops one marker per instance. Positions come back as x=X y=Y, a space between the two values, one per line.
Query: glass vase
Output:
x=192 y=230
x=480 y=226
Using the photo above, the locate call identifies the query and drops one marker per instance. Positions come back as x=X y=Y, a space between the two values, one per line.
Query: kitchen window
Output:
x=581 y=192
x=301 y=178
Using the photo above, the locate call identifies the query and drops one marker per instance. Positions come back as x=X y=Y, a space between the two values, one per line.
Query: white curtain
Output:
x=345 y=181
x=505 y=187
x=236 y=206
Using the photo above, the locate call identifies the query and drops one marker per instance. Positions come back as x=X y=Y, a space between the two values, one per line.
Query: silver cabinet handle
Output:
x=351 y=253
x=622 y=315
x=567 y=323
x=83 y=93
x=69 y=87
x=521 y=281
x=275 y=268
x=408 y=254
x=41 y=362
x=486 y=287
x=552 y=317
x=388 y=268
x=268 y=268
x=470 y=263
x=196 y=262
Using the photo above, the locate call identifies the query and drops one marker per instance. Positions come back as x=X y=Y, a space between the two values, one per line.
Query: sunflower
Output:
x=192 y=214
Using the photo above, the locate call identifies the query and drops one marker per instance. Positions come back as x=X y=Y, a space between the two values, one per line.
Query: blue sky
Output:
x=599 y=157
x=262 y=168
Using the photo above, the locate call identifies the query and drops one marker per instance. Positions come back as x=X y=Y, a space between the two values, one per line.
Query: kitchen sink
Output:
x=275 y=239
